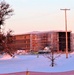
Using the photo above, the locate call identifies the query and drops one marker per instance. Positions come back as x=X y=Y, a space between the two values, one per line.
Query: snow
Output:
x=33 y=63
x=5 y=57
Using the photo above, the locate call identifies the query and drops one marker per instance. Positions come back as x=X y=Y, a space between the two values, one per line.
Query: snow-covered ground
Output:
x=32 y=63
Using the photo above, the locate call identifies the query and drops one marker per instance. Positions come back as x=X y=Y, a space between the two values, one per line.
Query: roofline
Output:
x=38 y=32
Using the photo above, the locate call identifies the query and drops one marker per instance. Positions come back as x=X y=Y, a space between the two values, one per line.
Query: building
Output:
x=72 y=41
x=36 y=41
x=22 y=41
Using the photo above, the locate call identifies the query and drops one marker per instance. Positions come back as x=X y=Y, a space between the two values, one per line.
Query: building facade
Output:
x=22 y=41
x=36 y=41
x=72 y=41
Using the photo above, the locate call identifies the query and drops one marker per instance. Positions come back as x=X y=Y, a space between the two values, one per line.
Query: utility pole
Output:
x=66 y=32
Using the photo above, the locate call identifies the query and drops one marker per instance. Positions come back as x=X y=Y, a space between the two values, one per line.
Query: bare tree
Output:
x=9 y=43
x=2 y=39
x=5 y=40
x=52 y=56
x=5 y=12
x=6 y=44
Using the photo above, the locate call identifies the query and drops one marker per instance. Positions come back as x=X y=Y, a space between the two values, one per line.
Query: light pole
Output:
x=66 y=32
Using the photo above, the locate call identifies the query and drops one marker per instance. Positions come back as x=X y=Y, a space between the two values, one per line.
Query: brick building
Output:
x=72 y=41
x=39 y=40
x=22 y=41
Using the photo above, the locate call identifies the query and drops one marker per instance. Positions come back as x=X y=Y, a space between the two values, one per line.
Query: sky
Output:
x=39 y=15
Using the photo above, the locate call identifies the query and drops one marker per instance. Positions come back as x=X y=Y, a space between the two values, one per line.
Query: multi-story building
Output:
x=62 y=40
x=72 y=41
x=34 y=41
x=27 y=42
x=22 y=41
x=39 y=40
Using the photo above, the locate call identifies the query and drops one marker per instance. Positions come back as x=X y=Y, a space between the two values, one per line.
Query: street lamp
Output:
x=66 y=32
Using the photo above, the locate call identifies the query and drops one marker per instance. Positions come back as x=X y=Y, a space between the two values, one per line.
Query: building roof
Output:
x=38 y=32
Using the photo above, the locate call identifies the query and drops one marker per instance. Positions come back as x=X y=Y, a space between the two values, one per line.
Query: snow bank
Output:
x=33 y=63
x=5 y=57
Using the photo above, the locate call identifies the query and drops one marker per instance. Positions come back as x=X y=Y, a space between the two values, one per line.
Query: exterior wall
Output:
x=44 y=40
x=72 y=42
x=62 y=41
x=38 y=41
x=35 y=42
x=22 y=41
x=27 y=42
x=54 y=42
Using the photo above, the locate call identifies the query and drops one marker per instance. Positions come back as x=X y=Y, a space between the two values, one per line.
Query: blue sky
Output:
x=39 y=15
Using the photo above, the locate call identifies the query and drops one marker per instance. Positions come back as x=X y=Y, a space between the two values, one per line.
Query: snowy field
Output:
x=32 y=63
